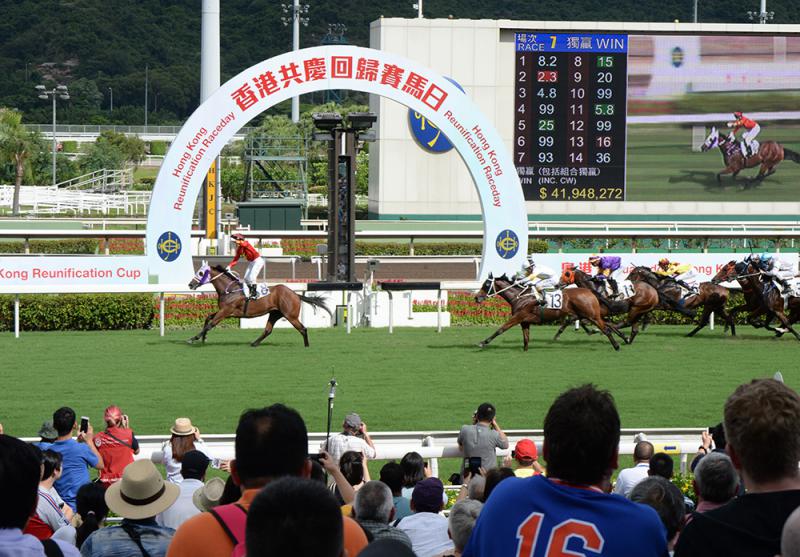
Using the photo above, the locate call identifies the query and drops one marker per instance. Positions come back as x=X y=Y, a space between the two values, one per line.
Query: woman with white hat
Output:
x=138 y=497
x=185 y=438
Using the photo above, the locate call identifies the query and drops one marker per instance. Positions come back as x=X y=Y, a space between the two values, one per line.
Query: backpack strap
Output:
x=51 y=548
x=233 y=520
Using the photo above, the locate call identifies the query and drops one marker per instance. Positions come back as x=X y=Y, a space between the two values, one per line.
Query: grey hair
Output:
x=475 y=489
x=374 y=502
x=462 y=520
x=716 y=478
x=790 y=541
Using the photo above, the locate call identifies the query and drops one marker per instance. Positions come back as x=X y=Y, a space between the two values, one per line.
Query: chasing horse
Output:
x=757 y=301
x=711 y=297
x=768 y=155
x=644 y=300
x=234 y=302
x=576 y=303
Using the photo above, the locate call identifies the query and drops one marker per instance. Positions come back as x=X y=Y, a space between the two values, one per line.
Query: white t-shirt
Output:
x=339 y=443
x=428 y=533
x=183 y=508
x=173 y=466
x=629 y=477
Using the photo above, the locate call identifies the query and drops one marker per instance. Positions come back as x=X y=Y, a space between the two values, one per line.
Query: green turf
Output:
x=663 y=167
x=414 y=379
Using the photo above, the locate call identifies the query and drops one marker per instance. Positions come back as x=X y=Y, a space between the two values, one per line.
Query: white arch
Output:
x=258 y=88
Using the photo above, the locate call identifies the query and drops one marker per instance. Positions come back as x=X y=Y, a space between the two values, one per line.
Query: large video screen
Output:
x=613 y=117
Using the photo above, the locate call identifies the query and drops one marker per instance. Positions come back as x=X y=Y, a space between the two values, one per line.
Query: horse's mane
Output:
x=219 y=268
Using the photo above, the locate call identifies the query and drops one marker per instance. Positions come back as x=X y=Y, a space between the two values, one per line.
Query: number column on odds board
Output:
x=524 y=117
x=607 y=119
x=549 y=110
x=577 y=111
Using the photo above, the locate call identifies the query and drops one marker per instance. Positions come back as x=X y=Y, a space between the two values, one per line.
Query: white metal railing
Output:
x=433 y=445
x=44 y=200
x=105 y=180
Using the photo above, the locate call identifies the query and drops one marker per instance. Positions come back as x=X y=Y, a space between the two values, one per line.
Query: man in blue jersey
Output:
x=568 y=512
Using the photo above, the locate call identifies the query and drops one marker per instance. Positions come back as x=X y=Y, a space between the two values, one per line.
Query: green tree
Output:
x=17 y=144
x=113 y=150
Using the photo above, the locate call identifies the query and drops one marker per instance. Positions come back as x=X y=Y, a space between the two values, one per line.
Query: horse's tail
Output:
x=791 y=155
x=316 y=301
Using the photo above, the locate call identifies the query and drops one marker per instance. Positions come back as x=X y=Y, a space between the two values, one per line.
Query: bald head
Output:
x=790 y=541
x=643 y=451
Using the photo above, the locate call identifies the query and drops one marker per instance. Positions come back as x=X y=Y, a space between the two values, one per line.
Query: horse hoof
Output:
x=481 y=345
x=616 y=347
x=253 y=344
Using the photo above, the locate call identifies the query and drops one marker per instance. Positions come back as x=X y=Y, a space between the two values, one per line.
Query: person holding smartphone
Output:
x=77 y=455
x=481 y=438
x=117 y=445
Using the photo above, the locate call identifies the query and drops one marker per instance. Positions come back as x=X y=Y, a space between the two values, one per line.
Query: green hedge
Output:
x=307 y=248
x=79 y=246
x=82 y=312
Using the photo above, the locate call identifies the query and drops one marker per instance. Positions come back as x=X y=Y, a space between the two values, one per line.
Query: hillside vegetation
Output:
x=94 y=45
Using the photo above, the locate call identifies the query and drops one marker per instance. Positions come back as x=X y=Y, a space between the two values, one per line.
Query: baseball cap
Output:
x=525 y=450
x=427 y=495
x=353 y=420
x=486 y=411
x=194 y=462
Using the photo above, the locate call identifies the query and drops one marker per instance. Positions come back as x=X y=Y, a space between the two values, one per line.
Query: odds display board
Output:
x=610 y=116
x=570 y=104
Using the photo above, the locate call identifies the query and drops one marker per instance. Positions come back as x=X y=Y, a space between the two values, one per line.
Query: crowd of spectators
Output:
x=279 y=500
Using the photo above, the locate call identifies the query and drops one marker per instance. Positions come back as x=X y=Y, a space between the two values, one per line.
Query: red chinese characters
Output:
x=342 y=66
x=367 y=69
x=392 y=75
x=290 y=73
x=415 y=85
x=315 y=69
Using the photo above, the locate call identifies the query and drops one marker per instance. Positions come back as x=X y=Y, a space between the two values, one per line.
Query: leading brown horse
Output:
x=280 y=302
x=644 y=300
x=577 y=303
x=770 y=154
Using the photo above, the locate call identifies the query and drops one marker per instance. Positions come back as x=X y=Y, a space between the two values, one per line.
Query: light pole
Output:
x=62 y=93
x=762 y=15
x=111 y=103
x=295 y=13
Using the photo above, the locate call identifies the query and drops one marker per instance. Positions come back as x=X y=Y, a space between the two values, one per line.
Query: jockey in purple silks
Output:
x=608 y=267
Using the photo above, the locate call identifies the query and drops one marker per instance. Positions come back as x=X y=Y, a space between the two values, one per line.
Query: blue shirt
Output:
x=115 y=542
x=77 y=457
x=525 y=516
x=402 y=507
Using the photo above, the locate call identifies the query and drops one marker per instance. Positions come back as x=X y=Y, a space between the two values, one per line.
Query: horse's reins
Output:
x=215 y=277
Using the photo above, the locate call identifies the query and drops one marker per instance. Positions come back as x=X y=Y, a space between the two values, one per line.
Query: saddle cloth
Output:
x=261 y=290
x=554 y=300
x=626 y=289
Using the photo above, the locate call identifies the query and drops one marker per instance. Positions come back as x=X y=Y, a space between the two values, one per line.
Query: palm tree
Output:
x=16 y=144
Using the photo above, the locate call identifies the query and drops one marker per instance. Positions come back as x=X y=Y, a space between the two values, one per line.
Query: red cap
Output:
x=525 y=450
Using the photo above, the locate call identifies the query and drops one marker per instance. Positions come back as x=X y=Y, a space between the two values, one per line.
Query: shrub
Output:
x=77 y=246
x=82 y=312
x=158 y=147
x=183 y=311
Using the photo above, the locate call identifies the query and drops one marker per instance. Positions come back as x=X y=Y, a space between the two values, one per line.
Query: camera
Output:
x=315 y=456
x=473 y=464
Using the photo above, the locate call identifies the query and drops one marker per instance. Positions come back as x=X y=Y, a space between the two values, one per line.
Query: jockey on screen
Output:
x=536 y=277
x=683 y=274
x=243 y=247
x=608 y=267
x=748 y=137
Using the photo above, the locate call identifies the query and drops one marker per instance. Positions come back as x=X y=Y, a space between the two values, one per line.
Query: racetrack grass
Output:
x=414 y=379
x=663 y=167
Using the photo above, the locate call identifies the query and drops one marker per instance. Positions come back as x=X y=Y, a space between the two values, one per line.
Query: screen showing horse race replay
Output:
x=613 y=117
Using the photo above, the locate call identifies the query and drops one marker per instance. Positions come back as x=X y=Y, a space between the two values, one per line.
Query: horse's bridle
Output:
x=490 y=294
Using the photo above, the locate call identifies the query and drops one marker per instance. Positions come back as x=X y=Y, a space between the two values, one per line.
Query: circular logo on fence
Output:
x=677 y=56
x=428 y=136
x=507 y=244
x=168 y=246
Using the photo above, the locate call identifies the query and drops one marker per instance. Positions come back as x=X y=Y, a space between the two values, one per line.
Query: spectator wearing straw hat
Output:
x=185 y=438
x=116 y=444
x=47 y=434
x=193 y=470
x=210 y=495
x=138 y=498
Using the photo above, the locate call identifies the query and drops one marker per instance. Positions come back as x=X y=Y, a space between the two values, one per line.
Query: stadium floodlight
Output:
x=62 y=92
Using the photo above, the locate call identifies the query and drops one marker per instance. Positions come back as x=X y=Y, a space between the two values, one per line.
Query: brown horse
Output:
x=644 y=300
x=769 y=155
x=280 y=302
x=577 y=303
x=710 y=296
x=756 y=304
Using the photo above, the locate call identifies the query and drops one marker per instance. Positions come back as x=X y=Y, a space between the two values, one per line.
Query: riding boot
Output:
x=253 y=292
x=614 y=286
